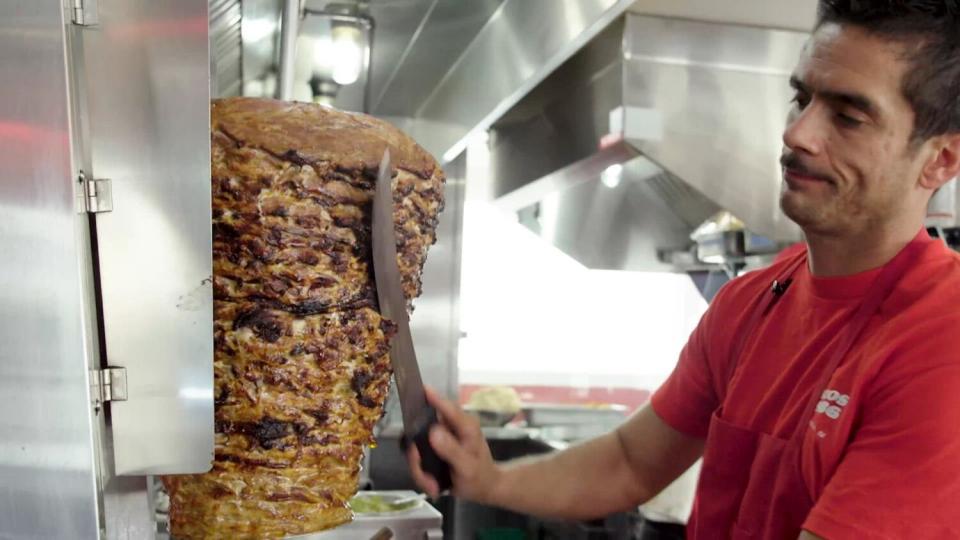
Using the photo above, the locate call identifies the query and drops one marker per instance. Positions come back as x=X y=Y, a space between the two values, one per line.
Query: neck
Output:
x=833 y=255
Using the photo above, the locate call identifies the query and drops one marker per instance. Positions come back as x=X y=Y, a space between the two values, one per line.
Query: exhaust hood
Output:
x=615 y=209
x=644 y=134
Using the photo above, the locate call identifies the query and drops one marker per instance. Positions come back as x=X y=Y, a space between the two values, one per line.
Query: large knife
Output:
x=418 y=415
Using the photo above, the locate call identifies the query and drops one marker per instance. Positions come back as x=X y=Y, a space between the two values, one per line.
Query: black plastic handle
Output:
x=430 y=462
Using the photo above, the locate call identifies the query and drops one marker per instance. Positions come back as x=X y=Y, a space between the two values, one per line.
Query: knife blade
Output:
x=418 y=415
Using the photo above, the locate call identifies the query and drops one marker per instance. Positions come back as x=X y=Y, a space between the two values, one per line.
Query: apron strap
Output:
x=759 y=310
x=878 y=292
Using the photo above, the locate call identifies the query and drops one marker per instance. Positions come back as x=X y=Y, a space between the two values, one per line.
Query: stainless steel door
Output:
x=147 y=81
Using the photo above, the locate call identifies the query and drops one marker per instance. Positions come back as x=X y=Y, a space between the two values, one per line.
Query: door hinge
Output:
x=85 y=12
x=98 y=194
x=109 y=384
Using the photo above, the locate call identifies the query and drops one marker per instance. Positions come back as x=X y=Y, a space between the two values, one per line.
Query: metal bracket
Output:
x=99 y=194
x=109 y=384
x=85 y=12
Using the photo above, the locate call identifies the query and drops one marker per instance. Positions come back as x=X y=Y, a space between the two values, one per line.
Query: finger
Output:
x=426 y=482
x=453 y=417
x=450 y=449
x=447 y=409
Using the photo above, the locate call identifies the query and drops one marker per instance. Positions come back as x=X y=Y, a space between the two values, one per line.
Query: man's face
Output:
x=848 y=163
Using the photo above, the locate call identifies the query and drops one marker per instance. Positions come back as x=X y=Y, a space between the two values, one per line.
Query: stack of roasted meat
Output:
x=301 y=353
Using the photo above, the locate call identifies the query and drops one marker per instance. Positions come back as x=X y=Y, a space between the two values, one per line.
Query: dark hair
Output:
x=930 y=31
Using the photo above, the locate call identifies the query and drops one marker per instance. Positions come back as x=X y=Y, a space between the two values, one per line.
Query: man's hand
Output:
x=611 y=473
x=459 y=441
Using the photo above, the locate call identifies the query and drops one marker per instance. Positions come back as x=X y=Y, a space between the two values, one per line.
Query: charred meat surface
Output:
x=301 y=356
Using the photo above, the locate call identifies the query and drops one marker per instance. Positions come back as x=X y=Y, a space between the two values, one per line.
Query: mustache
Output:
x=794 y=162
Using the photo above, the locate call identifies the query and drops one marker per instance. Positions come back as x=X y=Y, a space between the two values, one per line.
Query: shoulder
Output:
x=937 y=273
x=929 y=293
x=919 y=336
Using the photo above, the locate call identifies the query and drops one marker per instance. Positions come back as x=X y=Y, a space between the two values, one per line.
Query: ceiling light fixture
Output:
x=341 y=41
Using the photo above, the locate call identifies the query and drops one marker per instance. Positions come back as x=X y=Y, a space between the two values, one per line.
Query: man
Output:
x=823 y=392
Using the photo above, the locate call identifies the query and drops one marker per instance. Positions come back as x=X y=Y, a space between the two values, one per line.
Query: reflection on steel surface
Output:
x=47 y=458
x=522 y=43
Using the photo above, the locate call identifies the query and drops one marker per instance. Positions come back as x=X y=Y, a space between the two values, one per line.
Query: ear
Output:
x=944 y=165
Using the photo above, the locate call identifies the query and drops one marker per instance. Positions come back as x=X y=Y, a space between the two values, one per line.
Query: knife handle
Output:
x=430 y=462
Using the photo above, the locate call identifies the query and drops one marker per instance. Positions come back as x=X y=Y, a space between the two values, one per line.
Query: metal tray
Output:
x=418 y=523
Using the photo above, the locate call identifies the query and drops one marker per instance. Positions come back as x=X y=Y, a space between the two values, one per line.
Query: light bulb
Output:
x=323 y=56
x=346 y=54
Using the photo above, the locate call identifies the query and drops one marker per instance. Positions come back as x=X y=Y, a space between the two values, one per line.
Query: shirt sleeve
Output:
x=900 y=477
x=687 y=399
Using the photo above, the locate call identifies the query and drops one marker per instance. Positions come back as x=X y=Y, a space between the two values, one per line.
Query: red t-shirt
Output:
x=885 y=459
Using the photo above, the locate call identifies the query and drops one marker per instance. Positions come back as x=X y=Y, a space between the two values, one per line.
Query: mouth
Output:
x=800 y=177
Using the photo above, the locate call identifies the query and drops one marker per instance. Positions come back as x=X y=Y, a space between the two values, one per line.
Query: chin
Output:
x=813 y=219
x=799 y=211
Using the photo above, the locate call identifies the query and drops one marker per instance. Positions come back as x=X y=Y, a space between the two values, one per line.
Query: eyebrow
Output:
x=857 y=101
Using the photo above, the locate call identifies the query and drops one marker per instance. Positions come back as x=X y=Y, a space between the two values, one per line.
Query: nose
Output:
x=804 y=131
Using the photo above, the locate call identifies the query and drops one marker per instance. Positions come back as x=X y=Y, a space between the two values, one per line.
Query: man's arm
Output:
x=614 y=472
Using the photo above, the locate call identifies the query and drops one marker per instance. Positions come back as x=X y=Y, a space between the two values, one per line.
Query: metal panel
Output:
x=47 y=457
x=723 y=96
x=563 y=119
x=585 y=170
x=226 y=58
x=785 y=14
x=405 y=75
x=398 y=25
x=522 y=43
x=711 y=45
x=127 y=509
x=147 y=77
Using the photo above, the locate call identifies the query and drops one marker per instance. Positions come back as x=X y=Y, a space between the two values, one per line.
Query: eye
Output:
x=802 y=99
x=848 y=121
